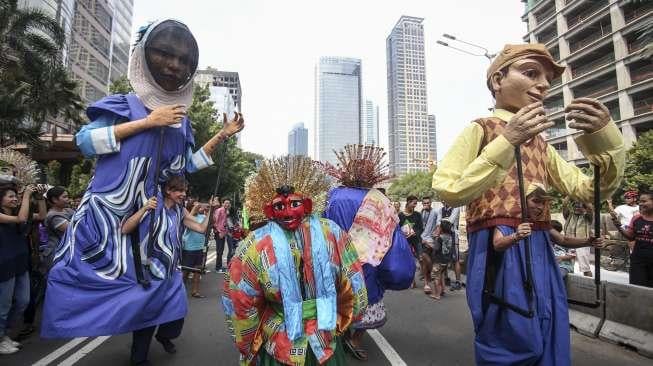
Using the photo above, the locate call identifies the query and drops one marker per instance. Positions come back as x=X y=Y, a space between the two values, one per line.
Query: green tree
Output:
x=233 y=163
x=639 y=164
x=53 y=172
x=418 y=184
x=121 y=86
x=80 y=177
x=34 y=85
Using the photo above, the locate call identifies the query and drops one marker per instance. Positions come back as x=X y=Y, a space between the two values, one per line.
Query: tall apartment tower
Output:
x=433 y=147
x=99 y=47
x=599 y=42
x=370 y=125
x=96 y=50
x=338 y=105
x=410 y=137
x=227 y=79
x=298 y=140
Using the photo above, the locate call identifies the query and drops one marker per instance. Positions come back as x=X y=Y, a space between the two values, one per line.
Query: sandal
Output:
x=427 y=289
x=357 y=352
x=436 y=298
x=197 y=295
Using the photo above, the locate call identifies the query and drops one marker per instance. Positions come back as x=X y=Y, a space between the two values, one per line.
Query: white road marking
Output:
x=386 y=348
x=84 y=351
x=60 y=352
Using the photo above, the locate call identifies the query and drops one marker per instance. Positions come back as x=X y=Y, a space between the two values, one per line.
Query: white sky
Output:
x=275 y=44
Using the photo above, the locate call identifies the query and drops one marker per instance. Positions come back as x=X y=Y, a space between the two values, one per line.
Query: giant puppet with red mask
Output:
x=297 y=278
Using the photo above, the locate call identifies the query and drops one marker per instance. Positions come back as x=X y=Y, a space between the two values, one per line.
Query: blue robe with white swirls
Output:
x=92 y=288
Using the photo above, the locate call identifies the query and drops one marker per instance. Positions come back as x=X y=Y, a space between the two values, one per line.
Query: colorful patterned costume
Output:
x=291 y=293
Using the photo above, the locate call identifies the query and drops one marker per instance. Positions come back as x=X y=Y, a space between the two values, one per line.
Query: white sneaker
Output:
x=12 y=342
x=7 y=348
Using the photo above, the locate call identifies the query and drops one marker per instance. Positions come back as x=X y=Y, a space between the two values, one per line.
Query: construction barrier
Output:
x=629 y=317
x=586 y=320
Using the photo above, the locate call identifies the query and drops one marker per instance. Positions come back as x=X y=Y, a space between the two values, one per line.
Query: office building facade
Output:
x=370 y=126
x=298 y=140
x=338 y=106
x=411 y=140
x=601 y=43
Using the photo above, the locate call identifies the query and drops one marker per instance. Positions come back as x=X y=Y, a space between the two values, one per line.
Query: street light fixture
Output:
x=486 y=53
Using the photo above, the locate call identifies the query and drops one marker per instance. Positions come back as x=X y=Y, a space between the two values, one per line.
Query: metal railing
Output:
x=577 y=18
x=593 y=36
x=545 y=15
x=637 y=44
x=641 y=73
x=591 y=66
x=555 y=82
x=643 y=106
x=546 y=37
x=596 y=90
x=633 y=14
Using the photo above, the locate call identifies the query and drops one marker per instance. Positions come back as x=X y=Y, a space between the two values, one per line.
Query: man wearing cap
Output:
x=98 y=284
x=480 y=171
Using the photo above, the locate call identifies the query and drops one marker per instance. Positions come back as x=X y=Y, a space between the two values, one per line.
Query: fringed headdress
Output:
x=23 y=168
x=297 y=172
x=360 y=166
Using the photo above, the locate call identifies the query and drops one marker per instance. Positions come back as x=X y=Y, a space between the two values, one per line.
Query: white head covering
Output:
x=147 y=89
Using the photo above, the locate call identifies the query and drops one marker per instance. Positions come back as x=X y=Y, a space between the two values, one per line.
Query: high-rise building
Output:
x=433 y=145
x=99 y=48
x=600 y=43
x=410 y=137
x=61 y=10
x=370 y=127
x=338 y=112
x=96 y=49
x=298 y=140
x=227 y=79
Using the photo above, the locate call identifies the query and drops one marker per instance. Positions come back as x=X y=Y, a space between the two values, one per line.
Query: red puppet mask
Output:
x=288 y=208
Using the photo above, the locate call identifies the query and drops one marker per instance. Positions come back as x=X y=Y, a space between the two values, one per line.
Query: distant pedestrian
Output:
x=192 y=255
x=220 y=232
x=578 y=224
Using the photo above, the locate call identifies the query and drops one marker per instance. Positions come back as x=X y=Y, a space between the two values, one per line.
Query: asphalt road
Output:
x=419 y=331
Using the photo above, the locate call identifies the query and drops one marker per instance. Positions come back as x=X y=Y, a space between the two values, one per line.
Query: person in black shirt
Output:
x=640 y=230
x=411 y=226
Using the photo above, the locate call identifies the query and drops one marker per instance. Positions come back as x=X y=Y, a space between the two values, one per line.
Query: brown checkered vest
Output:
x=500 y=205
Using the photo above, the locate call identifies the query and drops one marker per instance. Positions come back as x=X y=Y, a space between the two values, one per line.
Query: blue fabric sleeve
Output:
x=92 y=141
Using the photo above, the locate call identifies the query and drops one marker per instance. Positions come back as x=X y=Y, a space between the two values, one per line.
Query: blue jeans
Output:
x=14 y=297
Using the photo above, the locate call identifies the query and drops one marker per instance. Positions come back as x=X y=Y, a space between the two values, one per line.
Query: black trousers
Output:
x=641 y=271
x=143 y=337
x=219 y=250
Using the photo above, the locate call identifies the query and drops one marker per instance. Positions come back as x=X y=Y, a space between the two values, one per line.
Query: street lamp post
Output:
x=486 y=53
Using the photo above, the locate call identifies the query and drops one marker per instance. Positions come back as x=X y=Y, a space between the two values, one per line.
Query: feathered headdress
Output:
x=359 y=166
x=298 y=172
x=23 y=168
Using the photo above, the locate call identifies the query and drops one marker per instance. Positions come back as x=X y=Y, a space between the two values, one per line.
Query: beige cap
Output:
x=516 y=52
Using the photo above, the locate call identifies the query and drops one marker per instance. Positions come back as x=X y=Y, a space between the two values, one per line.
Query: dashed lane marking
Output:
x=88 y=348
x=60 y=351
x=386 y=348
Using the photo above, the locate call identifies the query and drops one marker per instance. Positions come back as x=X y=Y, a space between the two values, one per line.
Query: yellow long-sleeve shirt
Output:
x=464 y=173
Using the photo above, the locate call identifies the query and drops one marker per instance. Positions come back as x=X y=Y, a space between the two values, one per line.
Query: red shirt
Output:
x=220 y=221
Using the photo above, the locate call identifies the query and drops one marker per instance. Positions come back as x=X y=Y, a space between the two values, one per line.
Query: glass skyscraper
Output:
x=411 y=141
x=338 y=112
x=370 y=127
x=298 y=140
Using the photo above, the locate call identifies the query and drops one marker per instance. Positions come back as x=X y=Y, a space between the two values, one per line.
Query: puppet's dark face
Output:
x=525 y=82
x=288 y=210
x=171 y=54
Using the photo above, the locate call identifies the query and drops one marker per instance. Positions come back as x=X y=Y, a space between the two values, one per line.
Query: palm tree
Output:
x=34 y=85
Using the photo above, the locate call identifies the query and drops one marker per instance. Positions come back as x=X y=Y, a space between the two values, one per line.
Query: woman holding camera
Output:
x=14 y=257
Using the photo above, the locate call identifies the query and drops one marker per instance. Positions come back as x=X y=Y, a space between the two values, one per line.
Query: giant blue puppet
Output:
x=99 y=285
x=372 y=223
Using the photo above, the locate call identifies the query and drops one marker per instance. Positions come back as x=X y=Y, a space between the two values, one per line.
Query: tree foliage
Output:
x=121 y=86
x=639 y=164
x=418 y=184
x=34 y=84
x=80 y=177
x=232 y=163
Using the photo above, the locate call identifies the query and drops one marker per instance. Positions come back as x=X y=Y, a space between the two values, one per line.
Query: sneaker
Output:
x=12 y=342
x=7 y=348
x=456 y=286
